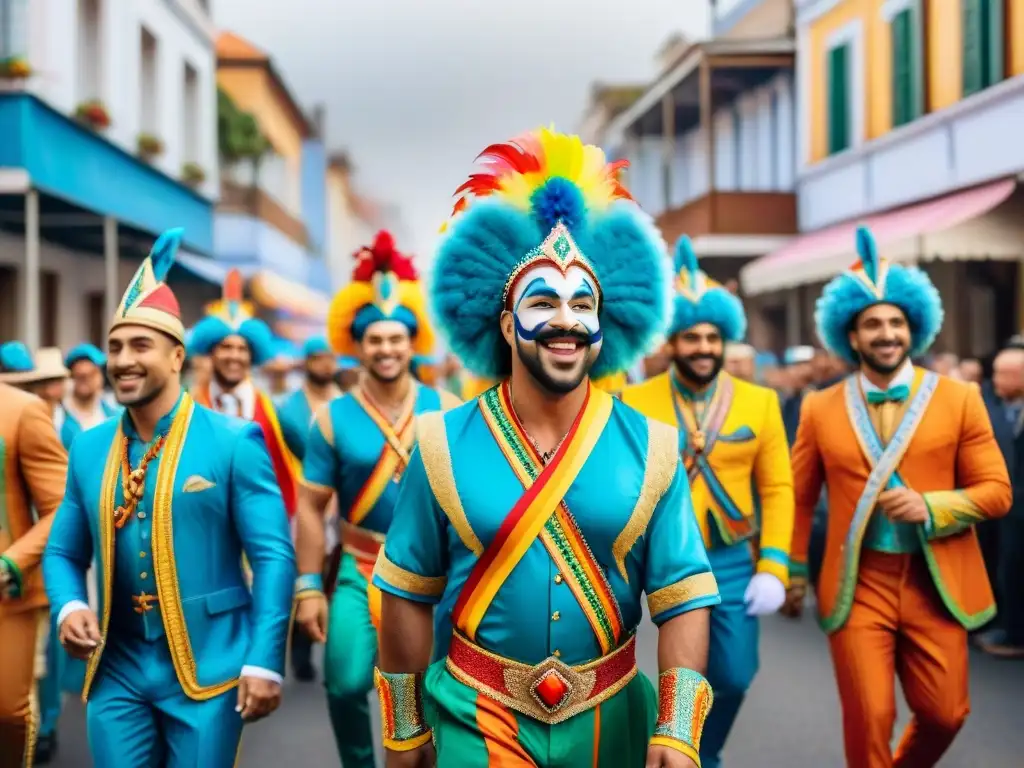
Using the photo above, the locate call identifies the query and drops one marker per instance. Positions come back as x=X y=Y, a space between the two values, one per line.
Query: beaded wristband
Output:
x=684 y=700
x=309 y=585
x=401 y=710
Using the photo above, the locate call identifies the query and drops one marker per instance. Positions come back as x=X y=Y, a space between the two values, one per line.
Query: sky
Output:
x=415 y=89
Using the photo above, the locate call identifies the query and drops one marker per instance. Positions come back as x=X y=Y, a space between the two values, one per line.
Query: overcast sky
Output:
x=414 y=89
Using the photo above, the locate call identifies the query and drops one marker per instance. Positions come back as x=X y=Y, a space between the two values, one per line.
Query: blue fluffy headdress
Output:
x=875 y=281
x=699 y=299
x=548 y=198
x=231 y=316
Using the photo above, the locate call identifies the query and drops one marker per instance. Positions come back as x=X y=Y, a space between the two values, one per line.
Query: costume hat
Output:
x=699 y=299
x=88 y=352
x=20 y=368
x=149 y=301
x=231 y=316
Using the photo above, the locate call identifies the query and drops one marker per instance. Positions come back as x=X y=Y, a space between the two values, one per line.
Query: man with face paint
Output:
x=536 y=517
x=167 y=499
x=236 y=342
x=911 y=465
x=734 y=449
x=357 y=451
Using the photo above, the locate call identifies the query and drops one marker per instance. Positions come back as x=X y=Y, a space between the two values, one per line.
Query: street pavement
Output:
x=790 y=720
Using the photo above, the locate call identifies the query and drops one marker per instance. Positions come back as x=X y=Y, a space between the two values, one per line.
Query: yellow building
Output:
x=909 y=119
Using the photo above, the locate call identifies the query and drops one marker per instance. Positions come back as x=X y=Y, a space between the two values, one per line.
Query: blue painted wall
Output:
x=73 y=163
x=314 y=193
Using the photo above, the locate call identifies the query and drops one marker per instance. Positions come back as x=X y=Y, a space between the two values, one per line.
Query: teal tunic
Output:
x=295 y=417
x=71 y=427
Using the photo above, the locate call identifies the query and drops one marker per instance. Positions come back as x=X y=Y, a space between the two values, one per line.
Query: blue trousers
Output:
x=49 y=689
x=138 y=716
x=732 y=657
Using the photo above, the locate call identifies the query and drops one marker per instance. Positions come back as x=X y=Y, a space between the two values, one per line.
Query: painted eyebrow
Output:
x=537 y=287
x=583 y=292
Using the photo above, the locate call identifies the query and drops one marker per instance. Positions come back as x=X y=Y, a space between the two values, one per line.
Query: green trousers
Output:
x=348 y=667
x=473 y=731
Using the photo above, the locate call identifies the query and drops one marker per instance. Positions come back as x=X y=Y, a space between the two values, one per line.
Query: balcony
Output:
x=253 y=201
x=732 y=213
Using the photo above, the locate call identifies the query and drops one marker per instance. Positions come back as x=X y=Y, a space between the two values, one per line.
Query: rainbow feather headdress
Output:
x=873 y=280
x=232 y=316
x=149 y=301
x=385 y=286
x=548 y=198
x=699 y=299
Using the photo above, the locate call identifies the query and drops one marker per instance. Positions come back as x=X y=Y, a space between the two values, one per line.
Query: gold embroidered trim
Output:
x=437 y=460
x=323 y=422
x=108 y=500
x=659 y=471
x=952 y=508
x=690 y=588
x=407 y=581
x=165 y=567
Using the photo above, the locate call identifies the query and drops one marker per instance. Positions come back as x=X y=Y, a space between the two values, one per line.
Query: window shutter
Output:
x=993 y=34
x=972 y=64
x=838 y=99
x=902 y=72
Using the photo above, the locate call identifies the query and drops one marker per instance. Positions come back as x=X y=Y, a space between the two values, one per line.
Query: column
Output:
x=794 y=310
x=707 y=127
x=668 y=147
x=31 y=310
x=111 y=280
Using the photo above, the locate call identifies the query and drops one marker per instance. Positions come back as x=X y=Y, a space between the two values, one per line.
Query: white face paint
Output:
x=544 y=293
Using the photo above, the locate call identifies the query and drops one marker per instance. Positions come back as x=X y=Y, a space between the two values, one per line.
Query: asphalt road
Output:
x=790 y=720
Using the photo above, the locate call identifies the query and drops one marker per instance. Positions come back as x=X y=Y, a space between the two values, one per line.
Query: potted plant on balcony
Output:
x=149 y=147
x=15 y=68
x=93 y=114
x=193 y=174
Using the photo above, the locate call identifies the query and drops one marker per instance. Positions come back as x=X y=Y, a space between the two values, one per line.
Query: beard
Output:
x=871 y=360
x=227 y=382
x=319 y=379
x=684 y=365
x=551 y=381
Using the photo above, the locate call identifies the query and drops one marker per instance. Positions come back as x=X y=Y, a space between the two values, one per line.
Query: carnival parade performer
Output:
x=85 y=407
x=358 y=448
x=509 y=519
x=34 y=464
x=911 y=465
x=735 y=451
x=296 y=411
x=236 y=342
x=168 y=498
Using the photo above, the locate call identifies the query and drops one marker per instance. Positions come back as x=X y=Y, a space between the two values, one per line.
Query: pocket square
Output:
x=197 y=483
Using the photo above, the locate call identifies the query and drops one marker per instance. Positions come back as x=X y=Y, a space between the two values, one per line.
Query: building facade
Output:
x=908 y=116
x=108 y=126
x=711 y=143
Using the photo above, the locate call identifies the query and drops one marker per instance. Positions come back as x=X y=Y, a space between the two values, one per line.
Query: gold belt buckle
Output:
x=143 y=602
x=550 y=690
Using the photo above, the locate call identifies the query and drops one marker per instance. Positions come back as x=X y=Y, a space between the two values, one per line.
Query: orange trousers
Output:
x=21 y=655
x=899 y=626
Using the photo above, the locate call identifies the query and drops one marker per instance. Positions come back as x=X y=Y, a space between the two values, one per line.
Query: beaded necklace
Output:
x=133 y=481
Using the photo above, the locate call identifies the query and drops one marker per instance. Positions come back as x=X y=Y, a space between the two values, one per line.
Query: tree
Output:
x=239 y=137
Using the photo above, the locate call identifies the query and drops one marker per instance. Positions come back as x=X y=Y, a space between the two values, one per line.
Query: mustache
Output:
x=702 y=356
x=577 y=335
x=886 y=345
x=124 y=371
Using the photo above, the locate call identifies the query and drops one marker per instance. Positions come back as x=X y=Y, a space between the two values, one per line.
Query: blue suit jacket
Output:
x=223 y=501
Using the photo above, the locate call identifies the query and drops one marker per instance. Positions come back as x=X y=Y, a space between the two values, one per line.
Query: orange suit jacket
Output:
x=34 y=471
x=952 y=460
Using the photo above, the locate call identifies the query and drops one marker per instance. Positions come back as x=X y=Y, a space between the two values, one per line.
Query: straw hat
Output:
x=48 y=364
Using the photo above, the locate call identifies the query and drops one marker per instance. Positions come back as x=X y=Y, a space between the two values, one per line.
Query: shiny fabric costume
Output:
x=33 y=466
x=734 y=447
x=897 y=598
x=179 y=626
x=296 y=411
x=231 y=316
x=538 y=570
x=354 y=451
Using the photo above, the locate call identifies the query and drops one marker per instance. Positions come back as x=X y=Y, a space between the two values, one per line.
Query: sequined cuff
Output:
x=309 y=585
x=684 y=700
x=401 y=710
x=11 y=583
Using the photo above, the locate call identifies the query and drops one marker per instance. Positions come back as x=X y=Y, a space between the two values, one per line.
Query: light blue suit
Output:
x=296 y=417
x=163 y=691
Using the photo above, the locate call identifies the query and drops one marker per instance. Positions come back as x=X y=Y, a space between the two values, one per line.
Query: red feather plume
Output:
x=233 y=285
x=383 y=257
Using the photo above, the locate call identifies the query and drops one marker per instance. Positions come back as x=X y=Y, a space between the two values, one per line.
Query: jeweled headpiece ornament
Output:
x=873 y=280
x=149 y=301
x=231 y=315
x=548 y=198
x=699 y=299
x=384 y=286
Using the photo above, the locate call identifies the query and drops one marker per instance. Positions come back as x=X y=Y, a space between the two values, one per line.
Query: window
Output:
x=90 y=50
x=905 y=32
x=838 y=67
x=191 y=116
x=149 y=84
x=983 y=44
x=774 y=141
x=737 y=147
x=13 y=28
x=96 y=320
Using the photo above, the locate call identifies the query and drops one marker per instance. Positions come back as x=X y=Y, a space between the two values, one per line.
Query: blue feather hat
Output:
x=317 y=345
x=88 y=352
x=699 y=299
x=547 y=198
x=872 y=281
x=231 y=316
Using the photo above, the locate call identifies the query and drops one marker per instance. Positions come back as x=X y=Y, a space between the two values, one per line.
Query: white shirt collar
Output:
x=905 y=377
x=244 y=393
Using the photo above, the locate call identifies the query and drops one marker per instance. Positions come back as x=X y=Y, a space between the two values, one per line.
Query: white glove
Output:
x=765 y=594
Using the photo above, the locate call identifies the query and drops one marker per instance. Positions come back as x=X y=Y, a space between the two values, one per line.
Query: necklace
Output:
x=545 y=456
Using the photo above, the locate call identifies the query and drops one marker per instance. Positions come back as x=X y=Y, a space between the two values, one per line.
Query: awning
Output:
x=210 y=270
x=952 y=227
x=276 y=292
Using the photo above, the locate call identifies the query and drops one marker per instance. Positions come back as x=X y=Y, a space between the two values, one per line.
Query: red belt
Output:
x=362 y=544
x=551 y=691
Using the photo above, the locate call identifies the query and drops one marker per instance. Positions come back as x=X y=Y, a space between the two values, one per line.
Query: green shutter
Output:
x=973 y=55
x=902 y=69
x=993 y=48
x=838 y=99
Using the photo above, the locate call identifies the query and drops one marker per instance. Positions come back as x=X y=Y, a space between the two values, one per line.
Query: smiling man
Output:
x=911 y=465
x=168 y=498
x=358 y=449
x=536 y=517
x=735 y=451
x=235 y=342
